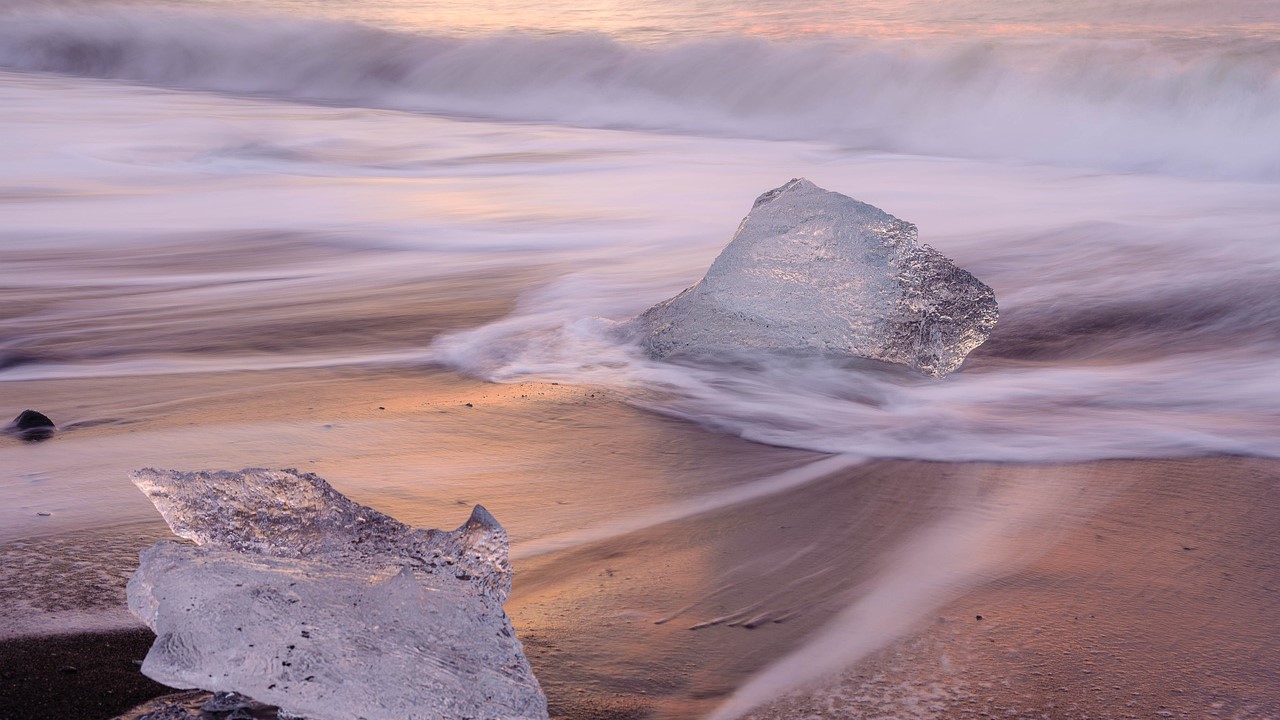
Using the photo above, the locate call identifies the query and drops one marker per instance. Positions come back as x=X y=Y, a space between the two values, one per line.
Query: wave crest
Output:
x=1203 y=109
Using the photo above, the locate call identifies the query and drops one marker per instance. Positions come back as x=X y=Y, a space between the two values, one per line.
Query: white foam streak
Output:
x=736 y=495
x=1110 y=345
x=1035 y=413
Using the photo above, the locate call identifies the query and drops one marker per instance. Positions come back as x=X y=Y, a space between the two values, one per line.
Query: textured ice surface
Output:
x=815 y=272
x=299 y=598
x=283 y=513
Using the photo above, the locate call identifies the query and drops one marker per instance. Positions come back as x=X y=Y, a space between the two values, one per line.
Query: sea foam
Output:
x=1207 y=108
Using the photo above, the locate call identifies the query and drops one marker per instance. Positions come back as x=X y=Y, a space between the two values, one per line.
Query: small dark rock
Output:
x=44 y=514
x=32 y=426
x=469 y=405
x=31 y=419
x=977 y=617
x=69 y=669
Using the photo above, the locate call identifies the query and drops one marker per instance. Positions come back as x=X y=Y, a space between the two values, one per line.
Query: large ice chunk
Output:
x=814 y=272
x=298 y=597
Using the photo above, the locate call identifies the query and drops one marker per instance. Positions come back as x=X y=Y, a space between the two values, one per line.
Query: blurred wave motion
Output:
x=1204 y=107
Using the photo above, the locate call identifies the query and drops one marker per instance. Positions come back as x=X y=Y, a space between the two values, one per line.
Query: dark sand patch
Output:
x=74 y=677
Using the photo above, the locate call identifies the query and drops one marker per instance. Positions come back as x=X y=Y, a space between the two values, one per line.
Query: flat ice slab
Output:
x=298 y=597
x=813 y=272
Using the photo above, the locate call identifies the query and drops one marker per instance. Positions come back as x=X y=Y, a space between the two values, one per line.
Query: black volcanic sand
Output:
x=74 y=677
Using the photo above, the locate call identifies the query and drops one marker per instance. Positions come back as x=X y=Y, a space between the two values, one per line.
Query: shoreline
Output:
x=302 y=242
x=1160 y=596
x=668 y=619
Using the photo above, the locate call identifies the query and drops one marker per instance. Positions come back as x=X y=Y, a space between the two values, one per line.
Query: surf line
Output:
x=763 y=487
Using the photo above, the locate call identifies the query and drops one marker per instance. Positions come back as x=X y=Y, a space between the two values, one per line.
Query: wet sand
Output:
x=74 y=676
x=1100 y=584
x=1164 y=603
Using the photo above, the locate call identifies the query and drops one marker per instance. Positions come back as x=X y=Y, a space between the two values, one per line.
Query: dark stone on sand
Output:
x=32 y=426
x=977 y=617
x=30 y=420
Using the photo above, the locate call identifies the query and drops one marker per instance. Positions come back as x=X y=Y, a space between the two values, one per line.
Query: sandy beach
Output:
x=1106 y=589
x=434 y=253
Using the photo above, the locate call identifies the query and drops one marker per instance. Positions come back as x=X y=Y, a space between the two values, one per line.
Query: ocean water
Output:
x=198 y=185
x=205 y=185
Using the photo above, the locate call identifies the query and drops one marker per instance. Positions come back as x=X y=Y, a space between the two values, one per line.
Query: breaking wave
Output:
x=1206 y=108
x=1109 y=360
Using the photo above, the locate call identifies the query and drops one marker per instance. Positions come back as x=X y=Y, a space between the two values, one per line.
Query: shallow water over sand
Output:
x=1137 y=317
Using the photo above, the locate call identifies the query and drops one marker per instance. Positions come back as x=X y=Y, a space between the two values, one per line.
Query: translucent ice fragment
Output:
x=299 y=598
x=814 y=272
x=284 y=513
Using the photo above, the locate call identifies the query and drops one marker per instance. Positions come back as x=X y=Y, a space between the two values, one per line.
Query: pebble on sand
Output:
x=31 y=426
